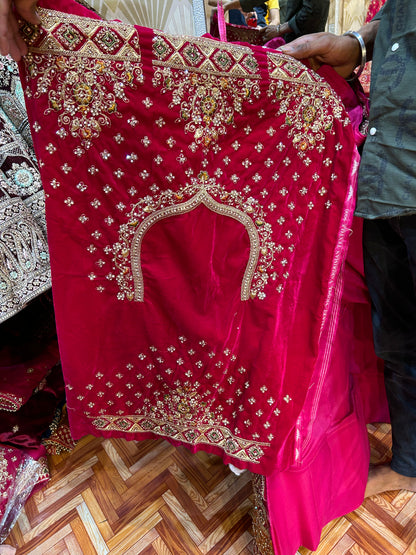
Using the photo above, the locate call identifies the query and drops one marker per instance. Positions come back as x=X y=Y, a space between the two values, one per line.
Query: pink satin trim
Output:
x=221 y=22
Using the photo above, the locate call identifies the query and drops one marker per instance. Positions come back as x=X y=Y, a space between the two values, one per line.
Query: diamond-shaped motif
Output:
x=255 y=452
x=147 y=425
x=215 y=436
x=100 y=423
x=231 y=445
x=123 y=423
x=70 y=36
x=222 y=60
x=291 y=68
x=191 y=436
x=192 y=55
x=250 y=64
x=107 y=40
x=161 y=48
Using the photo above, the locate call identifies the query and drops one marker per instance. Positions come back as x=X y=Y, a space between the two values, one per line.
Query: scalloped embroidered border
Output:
x=200 y=198
x=216 y=436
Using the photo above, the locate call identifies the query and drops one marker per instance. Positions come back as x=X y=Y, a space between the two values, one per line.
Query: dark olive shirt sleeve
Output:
x=307 y=16
x=387 y=177
x=249 y=5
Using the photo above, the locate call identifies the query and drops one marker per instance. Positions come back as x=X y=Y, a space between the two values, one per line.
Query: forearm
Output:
x=232 y=5
x=274 y=16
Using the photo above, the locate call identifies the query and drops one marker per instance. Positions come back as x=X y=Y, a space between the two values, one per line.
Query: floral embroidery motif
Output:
x=207 y=100
x=23 y=180
x=204 y=190
x=309 y=108
x=78 y=79
x=203 y=103
x=178 y=394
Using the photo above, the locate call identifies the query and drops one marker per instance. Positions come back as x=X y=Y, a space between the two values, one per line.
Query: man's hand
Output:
x=343 y=52
x=340 y=52
x=10 y=40
x=269 y=32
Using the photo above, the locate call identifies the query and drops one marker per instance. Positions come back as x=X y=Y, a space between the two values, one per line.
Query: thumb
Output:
x=27 y=10
x=298 y=49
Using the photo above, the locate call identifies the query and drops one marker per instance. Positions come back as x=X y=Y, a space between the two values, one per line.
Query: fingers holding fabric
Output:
x=10 y=40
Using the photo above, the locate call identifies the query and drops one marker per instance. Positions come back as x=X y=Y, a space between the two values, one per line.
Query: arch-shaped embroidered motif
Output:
x=202 y=197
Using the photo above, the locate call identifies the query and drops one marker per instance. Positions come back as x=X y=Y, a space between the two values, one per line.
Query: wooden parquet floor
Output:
x=146 y=498
x=130 y=498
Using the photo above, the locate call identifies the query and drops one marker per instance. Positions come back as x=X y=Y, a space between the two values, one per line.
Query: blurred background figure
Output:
x=301 y=17
x=243 y=12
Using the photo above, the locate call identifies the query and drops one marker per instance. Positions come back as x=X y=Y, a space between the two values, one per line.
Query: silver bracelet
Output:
x=356 y=35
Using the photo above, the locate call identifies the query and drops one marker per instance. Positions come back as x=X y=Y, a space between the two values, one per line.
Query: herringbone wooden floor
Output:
x=127 y=498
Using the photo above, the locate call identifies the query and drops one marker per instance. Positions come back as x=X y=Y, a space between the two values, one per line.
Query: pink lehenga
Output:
x=200 y=201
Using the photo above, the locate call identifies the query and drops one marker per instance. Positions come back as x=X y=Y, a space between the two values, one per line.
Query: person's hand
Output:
x=270 y=32
x=341 y=52
x=10 y=40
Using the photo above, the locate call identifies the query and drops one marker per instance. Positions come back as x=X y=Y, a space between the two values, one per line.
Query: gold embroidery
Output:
x=308 y=103
x=204 y=56
x=203 y=190
x=71 y=35
x=200 y=198
x=10 y=402
x=261 y=525
x=285 y=68
x=185 y=426
x=215 y=84
x=206 y=103
x=73 y=59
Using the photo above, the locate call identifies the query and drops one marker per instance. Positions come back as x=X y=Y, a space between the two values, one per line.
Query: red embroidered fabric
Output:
x=199 y=199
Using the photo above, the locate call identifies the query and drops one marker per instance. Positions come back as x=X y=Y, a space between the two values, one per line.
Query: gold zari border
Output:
x=239 y=448
x=52 y=20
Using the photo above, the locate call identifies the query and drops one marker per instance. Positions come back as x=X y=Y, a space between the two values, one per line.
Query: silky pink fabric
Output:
x=329 y=477
x=200 y=200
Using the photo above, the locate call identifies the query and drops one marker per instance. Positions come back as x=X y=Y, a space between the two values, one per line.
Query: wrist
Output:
x=284 y=29
x=361 y=58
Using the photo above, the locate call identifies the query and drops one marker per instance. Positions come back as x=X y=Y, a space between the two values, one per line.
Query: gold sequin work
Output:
x=80 y=59
x=149 y=211
x=309 y=107
x=214 y=86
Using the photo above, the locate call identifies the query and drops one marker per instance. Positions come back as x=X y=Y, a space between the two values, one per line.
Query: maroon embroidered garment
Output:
x=199 y=197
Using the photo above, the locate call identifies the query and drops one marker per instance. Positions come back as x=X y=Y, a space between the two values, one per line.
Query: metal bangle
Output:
x=360 y=39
